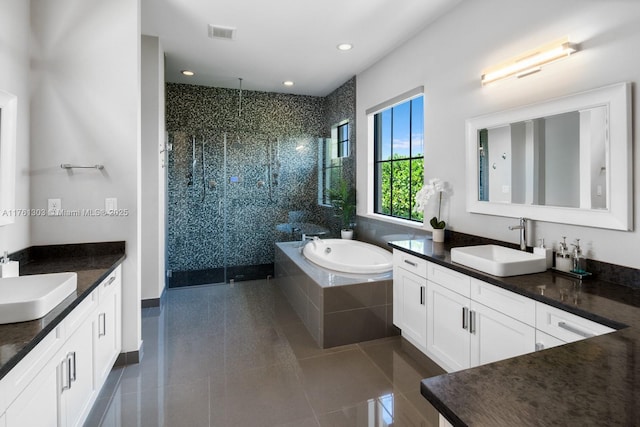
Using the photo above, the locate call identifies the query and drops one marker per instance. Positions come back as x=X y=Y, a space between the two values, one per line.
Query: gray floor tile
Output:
x=239 y=356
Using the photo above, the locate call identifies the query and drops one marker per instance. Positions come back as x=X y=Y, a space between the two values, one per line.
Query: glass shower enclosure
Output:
x=231 y=196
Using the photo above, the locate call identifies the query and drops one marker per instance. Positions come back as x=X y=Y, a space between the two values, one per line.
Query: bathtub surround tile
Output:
x=257 y=365
x=340 y=314
x=362 y=324
x=356 y=296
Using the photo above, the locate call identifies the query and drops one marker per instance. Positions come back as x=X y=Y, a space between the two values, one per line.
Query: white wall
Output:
x=153 y=172
x=85 y=109
x=14 y=78
x=448 y=58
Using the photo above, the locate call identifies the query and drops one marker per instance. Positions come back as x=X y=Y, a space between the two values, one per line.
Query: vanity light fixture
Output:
x=529 y=62
x=288 y=83
x=345 y=46
x=187 y=73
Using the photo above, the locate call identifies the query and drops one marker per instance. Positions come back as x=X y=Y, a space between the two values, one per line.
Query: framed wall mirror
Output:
x=566 y=160
x=8 y=122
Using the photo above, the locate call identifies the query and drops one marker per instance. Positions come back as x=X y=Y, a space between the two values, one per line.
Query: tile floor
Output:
x=238 y=356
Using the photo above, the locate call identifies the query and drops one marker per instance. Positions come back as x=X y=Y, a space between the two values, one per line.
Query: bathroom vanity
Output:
x=52 y=369
x=543 y=349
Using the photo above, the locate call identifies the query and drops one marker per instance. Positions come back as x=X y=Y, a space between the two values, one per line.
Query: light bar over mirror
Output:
x=529 y=62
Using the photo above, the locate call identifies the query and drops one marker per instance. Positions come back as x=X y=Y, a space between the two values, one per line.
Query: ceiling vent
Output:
x=219 y=32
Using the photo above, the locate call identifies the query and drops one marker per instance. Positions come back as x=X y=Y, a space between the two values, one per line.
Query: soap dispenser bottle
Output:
x=563 y=257
x=579 y=261
x=8 y=268
x=545 y=252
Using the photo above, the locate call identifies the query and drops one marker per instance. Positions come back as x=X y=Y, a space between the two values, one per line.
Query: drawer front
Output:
x=504 y=301
x=109 y=285
x=81 y=312
x=410 y=263
x=566 y=326
x=450 y=279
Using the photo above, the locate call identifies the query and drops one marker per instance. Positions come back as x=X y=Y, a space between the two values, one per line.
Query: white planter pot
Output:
x=346 y=234
x=437 y=235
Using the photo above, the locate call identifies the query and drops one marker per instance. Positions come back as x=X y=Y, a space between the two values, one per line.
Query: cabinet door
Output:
x=410 y=314
x=496 y=336
x=448 y=337
x=106 y=332
x=76 y=376
x=37 y=405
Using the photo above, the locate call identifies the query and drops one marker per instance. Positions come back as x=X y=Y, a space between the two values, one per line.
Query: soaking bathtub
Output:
x=348 y=256
x=337 y=308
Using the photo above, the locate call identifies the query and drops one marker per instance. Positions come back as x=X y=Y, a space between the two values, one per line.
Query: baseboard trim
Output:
x=153 y=302
x=129 y=358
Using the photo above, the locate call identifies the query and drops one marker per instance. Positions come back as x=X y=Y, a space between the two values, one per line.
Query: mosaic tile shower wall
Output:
x=269 y=166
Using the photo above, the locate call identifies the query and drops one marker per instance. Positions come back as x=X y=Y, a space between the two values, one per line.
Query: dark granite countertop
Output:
x=93 y=262
x=586 y=383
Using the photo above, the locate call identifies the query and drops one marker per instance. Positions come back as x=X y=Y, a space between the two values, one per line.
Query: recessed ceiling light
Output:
x=187 y=73
x=288 y=83
x=345 y=46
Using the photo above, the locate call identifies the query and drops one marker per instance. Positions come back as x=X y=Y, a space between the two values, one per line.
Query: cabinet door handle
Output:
x=422 y=295
x=72 y=367
x=465 y=318
x=64 y=376
x=411 y=263
x=575 y=330
x=472 y=322
x=111 y=280
x=102 y=324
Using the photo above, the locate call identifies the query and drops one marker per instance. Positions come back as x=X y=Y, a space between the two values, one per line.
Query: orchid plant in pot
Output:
x=438 y=187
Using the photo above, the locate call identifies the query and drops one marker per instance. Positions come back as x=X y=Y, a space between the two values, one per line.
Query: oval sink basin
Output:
x=27 y=298
x=498 y=260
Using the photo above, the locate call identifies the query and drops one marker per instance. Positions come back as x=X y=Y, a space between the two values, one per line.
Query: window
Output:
x=398 y=158
x=330 y=154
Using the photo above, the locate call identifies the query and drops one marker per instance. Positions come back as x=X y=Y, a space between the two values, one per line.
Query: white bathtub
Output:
x=348 y=256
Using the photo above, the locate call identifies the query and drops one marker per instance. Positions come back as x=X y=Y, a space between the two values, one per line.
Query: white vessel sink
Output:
x=27 y=298
x=498 y=260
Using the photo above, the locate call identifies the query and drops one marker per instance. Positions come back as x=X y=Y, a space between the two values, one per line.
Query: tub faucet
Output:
x=310 y=238
x=523 y=233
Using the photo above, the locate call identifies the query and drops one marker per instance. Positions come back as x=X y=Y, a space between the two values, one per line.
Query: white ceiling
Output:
x=278 y=40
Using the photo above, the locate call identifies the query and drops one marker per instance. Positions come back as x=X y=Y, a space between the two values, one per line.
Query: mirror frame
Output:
x=8 y=123
x=619 y=214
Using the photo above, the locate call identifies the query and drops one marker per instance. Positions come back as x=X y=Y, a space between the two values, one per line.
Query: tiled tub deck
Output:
x=336 y=308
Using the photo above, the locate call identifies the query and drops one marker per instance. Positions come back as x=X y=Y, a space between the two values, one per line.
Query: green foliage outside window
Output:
x=400 y=180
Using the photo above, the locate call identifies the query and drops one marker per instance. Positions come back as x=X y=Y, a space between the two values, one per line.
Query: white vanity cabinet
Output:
x=31 y=386
x=57 y=382
x=448 y=337
x=462 y=332
x=75 y=377
x=107 y=341
x=462 y=322
x=409 y=298
x=37 y=404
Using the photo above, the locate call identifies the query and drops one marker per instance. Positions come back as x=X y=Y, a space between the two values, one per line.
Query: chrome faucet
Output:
x=523 y=233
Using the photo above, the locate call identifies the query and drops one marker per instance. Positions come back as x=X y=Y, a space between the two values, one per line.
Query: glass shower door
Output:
x=231 y=196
